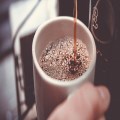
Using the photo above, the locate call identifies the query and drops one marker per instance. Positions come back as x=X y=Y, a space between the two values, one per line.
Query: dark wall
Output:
x=66 y=9
x=108 y=57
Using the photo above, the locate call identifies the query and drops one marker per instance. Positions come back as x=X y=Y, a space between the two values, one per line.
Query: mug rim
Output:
x=54 y=81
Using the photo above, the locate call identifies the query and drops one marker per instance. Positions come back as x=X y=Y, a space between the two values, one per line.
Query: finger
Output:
x=90 y=100
x=87 y=103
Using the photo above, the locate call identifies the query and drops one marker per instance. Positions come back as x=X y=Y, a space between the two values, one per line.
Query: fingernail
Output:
x=104 y=94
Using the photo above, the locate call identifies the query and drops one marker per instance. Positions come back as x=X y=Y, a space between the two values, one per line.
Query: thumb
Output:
x=87 y=103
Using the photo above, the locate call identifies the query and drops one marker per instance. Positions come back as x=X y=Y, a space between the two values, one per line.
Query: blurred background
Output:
x=18 y=21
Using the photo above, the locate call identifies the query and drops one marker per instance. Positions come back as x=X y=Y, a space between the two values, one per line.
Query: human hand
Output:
x=88 y=103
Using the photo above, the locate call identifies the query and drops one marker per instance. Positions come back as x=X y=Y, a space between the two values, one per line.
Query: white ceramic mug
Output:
x=50 y=92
